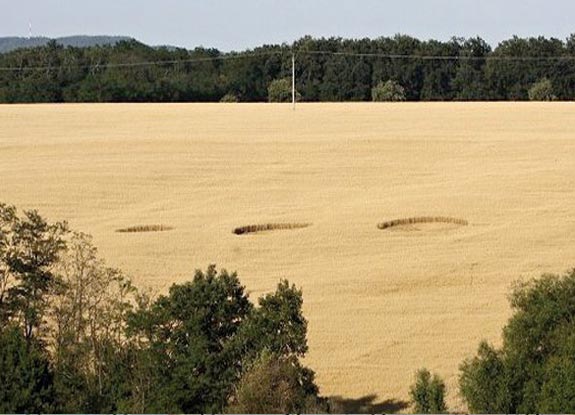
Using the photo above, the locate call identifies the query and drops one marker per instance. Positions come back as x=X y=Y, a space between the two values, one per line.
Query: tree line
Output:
x=328 y=69
x=76 y=336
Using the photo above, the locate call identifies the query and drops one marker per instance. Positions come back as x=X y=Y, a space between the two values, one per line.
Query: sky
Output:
x=242 y=24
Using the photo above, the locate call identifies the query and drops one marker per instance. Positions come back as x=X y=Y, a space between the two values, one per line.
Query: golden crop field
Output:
x=381 y=303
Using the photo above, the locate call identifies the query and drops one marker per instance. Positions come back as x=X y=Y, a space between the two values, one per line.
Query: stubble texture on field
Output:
x=381 y=303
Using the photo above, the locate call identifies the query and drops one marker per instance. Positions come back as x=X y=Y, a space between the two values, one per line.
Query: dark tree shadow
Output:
x=367 y=405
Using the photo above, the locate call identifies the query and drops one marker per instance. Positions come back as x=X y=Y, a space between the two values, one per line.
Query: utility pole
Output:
x=293 y=80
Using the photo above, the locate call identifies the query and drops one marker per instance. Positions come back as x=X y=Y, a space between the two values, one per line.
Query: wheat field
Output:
x=380 y=304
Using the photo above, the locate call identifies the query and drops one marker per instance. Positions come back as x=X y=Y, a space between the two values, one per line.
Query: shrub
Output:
x=275 y=384
x=390 y=91
x=542 y=90
x=428 y=393
x=230 y=98
x=280 y=91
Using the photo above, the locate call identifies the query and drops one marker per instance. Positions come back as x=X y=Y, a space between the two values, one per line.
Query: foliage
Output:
x=89 y=314
x=542 y=90
x=428 y=393
x=8 y=44
x=76 y=336
x=199 y=339
x=29 y=249
x=533 y=371
x=469 y=83
x=278 y=325
x=483 y=381
x=26 y=381
x=190 y=332
x=91 y=74
x=230 y=98
x=276 y=384
x=280 y=90
x=389 y=91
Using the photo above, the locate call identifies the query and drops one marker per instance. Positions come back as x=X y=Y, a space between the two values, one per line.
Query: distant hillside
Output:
x=8 y=44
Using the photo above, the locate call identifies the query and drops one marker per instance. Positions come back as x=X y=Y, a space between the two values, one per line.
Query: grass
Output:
x=269 y=227
x=421 y=219
x=378 y=308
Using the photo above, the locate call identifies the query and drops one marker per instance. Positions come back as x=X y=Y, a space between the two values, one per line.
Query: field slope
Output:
x=381 y=303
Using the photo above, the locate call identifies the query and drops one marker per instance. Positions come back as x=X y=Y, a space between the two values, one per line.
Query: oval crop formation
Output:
x=269 y=227
x=145 y=228
x=421 y=219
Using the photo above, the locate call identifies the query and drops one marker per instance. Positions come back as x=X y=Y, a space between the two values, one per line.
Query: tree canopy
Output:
x=534 y=369
x=327 y=69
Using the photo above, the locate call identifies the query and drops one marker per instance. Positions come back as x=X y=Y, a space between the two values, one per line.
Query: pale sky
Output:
x=240 y=24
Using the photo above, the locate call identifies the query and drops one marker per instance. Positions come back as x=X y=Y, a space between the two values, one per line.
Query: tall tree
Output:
x=190 y=333
x=30 y=248
x=89 y=314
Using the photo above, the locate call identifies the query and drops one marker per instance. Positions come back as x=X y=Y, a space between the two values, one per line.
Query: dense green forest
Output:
x=331 y=69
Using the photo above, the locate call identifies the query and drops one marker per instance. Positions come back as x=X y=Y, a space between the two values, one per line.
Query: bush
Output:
x=276 y=384
x=230 y=98
x=428 y=393
x=280 y=91
x=390 y=91
x=542 y=90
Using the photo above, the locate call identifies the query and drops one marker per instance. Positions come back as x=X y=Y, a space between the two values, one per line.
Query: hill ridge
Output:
x=10 y=43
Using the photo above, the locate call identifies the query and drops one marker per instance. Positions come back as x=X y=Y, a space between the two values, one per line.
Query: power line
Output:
x=300 y=52
x=142 y=63
x=440 y=57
